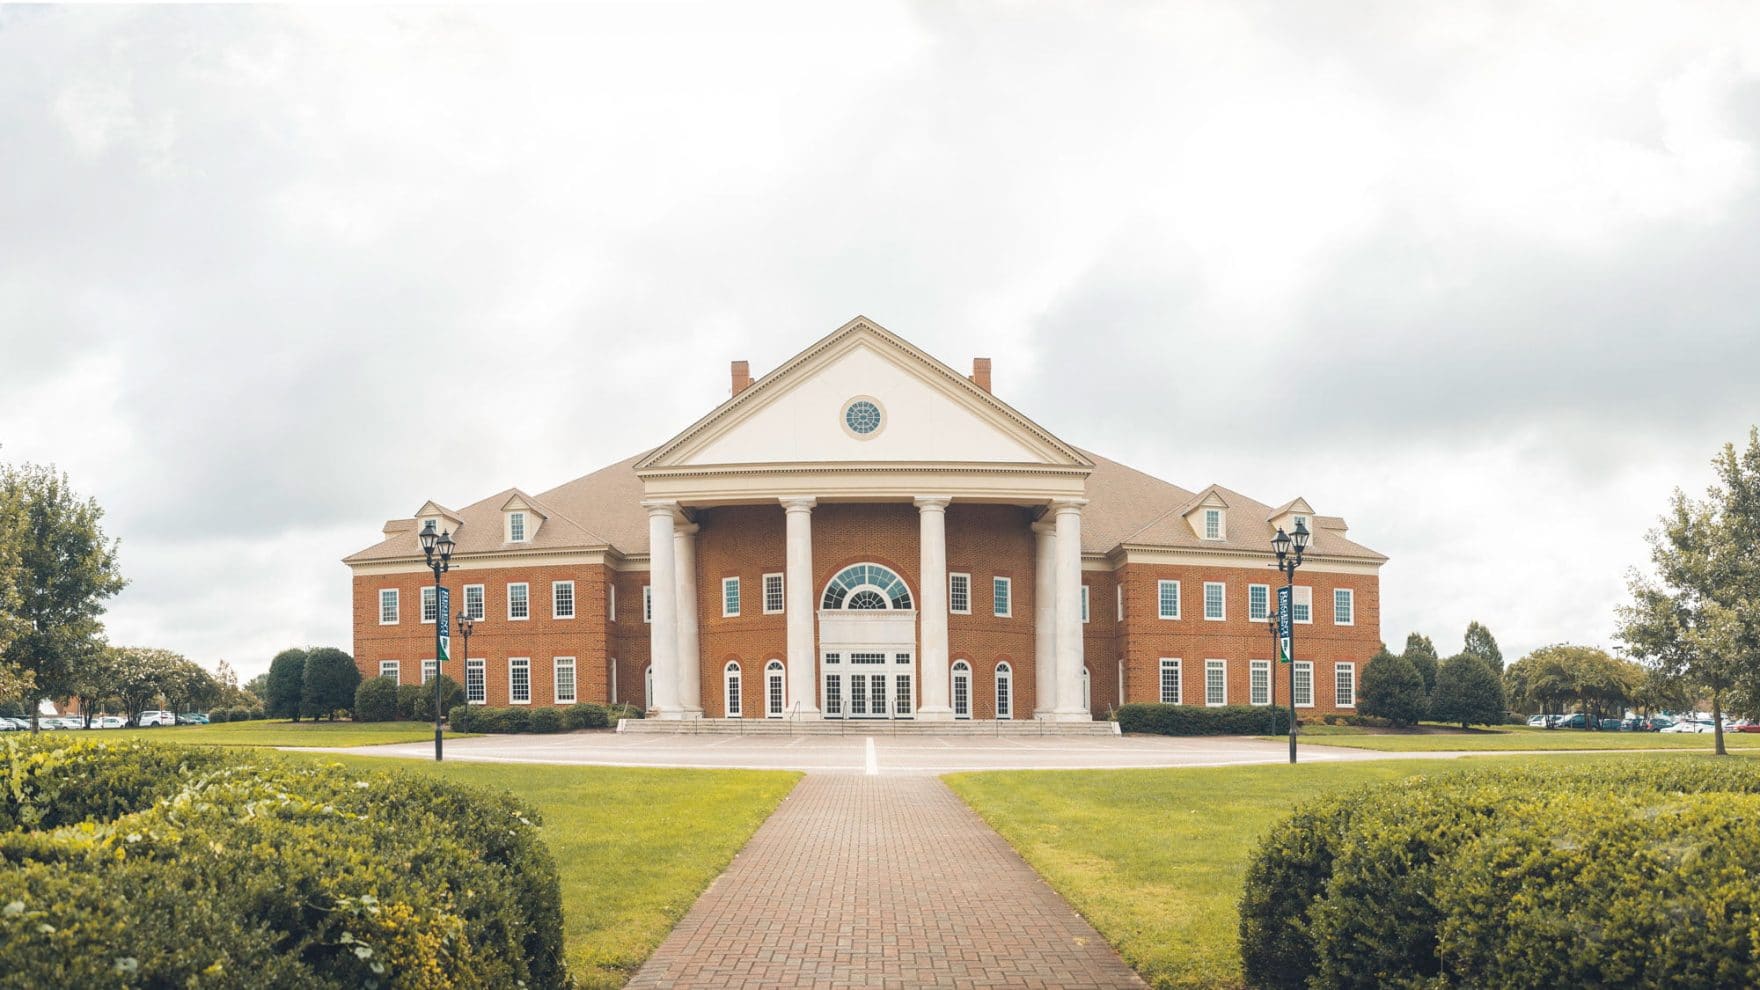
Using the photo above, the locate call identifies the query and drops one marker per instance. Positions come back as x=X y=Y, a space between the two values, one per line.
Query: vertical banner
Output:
x=445 y=619
x=1285 y=612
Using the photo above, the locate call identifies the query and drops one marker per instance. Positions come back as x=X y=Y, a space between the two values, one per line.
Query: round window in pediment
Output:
x=862 y=417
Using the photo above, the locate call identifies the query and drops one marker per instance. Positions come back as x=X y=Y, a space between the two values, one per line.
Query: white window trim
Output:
x=1309 y=666
x=1179 y=689
x=525 y=528
x=510 y=665
x=740 y=600
x=482 y=596
x=1008 y=596
x=610 y=601
x=519 y=584
x=1222 y=598
x=647 y=603
x=1258 y=618
x=1257 y=665
x=430 y=670
x=1005 y=677
x=1349 y=596
x=422 y=600
x=953 y=576
x=1118 y=594
x=1295 y=593
x=396 y=606
x=476 y=663
x=1340 y=668
x=1159 y=585
x=396 y=670
x=1085 y=612
x=775 y=668
x=556 y=665
x=1221 y=525
x=730 y=675
x=1208 y=666
x=782 y=586
x=572 y=607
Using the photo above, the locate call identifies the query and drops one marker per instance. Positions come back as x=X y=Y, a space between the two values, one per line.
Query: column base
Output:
x=803 y=712
x=934 y=714
x=1075 y=716
x=671 y=714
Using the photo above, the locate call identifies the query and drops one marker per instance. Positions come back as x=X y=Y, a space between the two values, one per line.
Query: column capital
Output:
x=660 y=506
x=932 y=503
x=798 y=503
x=1063 y=505
x=685 y=529
x=1045 y=526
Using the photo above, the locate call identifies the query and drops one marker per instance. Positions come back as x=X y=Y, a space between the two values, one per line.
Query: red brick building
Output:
x=866 y=533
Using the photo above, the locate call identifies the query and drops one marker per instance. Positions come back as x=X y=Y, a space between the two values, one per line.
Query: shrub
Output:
x=1467 y=692
x=1416 y=882
x=1190 y=720
x=585 y=716
x=328 y=682
x=220 y=715
x=545 y=720
x=459 y=718
x=375 y=700
x=450 y=694
x=1392 y=689
x=408 y=697
x=335 y=877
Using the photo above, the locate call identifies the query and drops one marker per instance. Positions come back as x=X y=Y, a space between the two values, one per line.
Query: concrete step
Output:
x=860 y=727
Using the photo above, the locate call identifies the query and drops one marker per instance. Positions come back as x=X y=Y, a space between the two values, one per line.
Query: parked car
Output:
x=1537 y=721
x=192 y=718
x=1656 y=723
x=1612 y=724
x=1746 y=725
x=8 y=724
x=1576 y=721
x=147 y=719
x=111 y=722
x=1693 y=725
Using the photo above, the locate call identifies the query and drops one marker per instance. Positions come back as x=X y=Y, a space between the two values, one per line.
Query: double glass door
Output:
x=875 y=684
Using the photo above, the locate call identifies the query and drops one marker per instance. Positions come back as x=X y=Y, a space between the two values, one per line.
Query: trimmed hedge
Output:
x=375 y=700
x=135 y=865
x=1192 y=720
x=1594 y=874
x=523 y=718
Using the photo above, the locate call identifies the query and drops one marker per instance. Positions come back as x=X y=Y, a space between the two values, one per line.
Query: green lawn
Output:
x=634 y=846
x=1436 y=739
x=278 y=733
x=1155 y=859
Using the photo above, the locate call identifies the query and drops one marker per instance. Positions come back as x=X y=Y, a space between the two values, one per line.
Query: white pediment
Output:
x=928 y=414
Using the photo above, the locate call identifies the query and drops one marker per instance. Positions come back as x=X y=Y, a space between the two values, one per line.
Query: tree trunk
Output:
x=1717 y=722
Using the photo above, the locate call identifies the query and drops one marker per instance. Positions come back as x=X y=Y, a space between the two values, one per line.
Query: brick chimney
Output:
x=742 y=376
x=981 y=373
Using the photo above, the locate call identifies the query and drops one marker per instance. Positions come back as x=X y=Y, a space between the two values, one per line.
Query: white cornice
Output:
x=1195 y=557
x=493 y=559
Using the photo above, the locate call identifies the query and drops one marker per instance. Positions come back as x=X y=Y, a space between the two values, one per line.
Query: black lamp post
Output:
x=465 y=625
x=438 y=551
x=1287 y=564
x=1271 y=675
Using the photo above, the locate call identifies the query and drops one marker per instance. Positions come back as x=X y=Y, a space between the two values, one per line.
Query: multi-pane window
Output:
x=610 y=602
x=476 y=687
x=1212 y=524
x=428 y=668
x=562 y=599
x=516 y=527
x=1167 y=598
x=647 y=603
x=1084 y=603
x=1215 y=683
x=564 y=680
x=959 y=594
x=519 y=605
x=388 y=606
x=1118 y=595
x=730 y=678
x=1001 y=595
x=428 y=607
x=1342 y=606
x=962 y=687
x=773 y=599
x=1169 y=681
x=519 y=680
x=1301 y=604
x=1344 y=683
x=1004 y=691
x=1214 y=607
x=1261 y=683
x=1304 y=684
x=729 y=597
x=773 y=697
x=388 y=668
x=1258 y=602
x=473 y=602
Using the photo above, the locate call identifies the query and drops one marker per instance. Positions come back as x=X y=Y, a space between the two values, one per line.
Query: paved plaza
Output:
x=881 y=881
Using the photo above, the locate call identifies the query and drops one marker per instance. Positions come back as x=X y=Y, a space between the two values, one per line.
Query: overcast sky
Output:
x=1484 y=279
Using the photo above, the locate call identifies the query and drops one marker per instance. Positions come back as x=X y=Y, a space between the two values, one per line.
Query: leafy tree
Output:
x=450 y=695
x=65 y=571
x=330 y=679
x=144 y=677
x=94 y=681
x=1481 y=644
x=1697 y=618
x=258 y=690
x=1468 y=692
x=375 y=700
x=286 y=684
x=1392 y=689
x=1423 y=657
x=1555 y=678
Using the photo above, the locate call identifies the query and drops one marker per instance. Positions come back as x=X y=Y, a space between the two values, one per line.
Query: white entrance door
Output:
x=962 y=690
x=773 y=684
x=868 y=684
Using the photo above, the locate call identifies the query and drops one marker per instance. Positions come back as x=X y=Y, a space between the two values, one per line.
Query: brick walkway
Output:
x=875 y=881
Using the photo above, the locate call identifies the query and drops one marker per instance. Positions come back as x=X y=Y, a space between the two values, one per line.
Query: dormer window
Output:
x=1212 y=524
x=516 y=527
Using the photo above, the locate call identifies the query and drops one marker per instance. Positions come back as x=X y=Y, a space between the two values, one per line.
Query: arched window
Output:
x=1087 y=691
x=1004 y=691
x=866 y=586
x=773 y=687
x=731 y=682
x=648 y=688
x=962 y=690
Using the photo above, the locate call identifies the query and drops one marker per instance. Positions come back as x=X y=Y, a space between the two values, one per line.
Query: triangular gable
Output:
x=929 y=413
x=1297 y=506
x=519 y=500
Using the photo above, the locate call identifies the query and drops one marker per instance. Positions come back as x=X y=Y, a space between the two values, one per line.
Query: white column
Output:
x=690 y=653
x=932 y=606
x=1069 y=611
x=803 y=663
x=663 y=603
x=1044 y=618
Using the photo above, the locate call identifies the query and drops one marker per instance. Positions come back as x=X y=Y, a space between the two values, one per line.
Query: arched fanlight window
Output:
x=962 y=689
x=866 y=586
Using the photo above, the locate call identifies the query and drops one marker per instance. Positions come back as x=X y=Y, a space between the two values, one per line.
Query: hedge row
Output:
x=476 y=718
x=133 y=865
x=236 y=715
x=1192 y=720
x=1599 y=874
